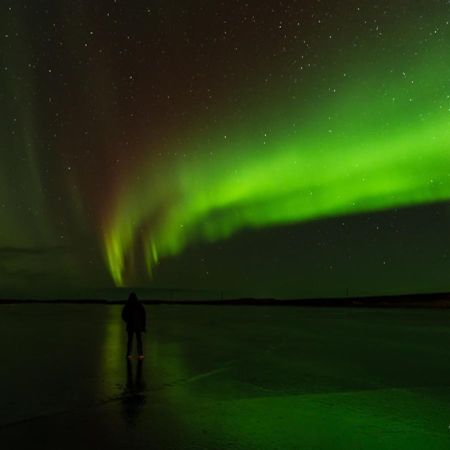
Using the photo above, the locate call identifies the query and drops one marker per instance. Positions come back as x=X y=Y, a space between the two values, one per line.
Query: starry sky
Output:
x=240 y=148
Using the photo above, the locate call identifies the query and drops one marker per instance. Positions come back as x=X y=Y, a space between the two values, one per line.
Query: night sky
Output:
x=260 y=148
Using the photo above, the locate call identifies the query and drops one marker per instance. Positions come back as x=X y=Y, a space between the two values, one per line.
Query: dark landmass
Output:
x=434 y=300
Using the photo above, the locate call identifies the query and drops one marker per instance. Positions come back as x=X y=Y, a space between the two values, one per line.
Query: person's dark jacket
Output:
x=133 y=313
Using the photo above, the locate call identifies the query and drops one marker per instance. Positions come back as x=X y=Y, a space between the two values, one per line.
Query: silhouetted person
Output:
x=133 y=313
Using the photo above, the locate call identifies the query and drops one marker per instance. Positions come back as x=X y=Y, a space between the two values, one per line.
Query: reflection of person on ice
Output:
x=133 y=313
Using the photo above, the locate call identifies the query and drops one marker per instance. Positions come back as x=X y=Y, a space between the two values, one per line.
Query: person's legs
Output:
x=139 y=343
x=130 y=343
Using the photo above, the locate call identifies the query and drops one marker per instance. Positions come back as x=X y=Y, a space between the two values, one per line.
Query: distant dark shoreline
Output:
x=435 y=300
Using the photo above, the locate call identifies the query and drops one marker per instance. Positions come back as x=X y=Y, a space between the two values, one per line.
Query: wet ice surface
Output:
x=224 y=377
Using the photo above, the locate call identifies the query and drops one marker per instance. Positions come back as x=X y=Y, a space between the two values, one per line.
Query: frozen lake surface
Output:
x=222 y=377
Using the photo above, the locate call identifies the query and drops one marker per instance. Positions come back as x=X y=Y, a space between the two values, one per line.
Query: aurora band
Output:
x=376 y=145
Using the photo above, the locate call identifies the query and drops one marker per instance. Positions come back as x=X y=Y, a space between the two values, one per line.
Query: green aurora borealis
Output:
x=358 y=165
x=134 y=137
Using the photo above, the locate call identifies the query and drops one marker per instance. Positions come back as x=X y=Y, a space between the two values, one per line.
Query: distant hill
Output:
x=433 y=300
